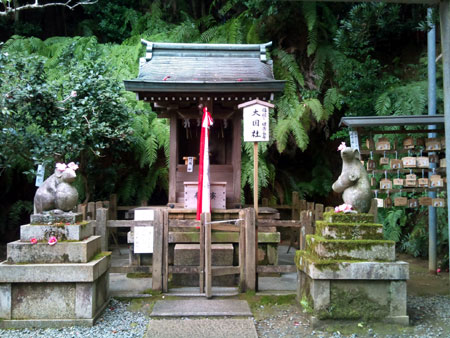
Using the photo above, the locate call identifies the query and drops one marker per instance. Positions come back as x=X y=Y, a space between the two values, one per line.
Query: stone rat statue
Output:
x=353 y=181
x=57 y=193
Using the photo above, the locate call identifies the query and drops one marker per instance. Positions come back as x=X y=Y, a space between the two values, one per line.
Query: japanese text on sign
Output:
x=256 y=123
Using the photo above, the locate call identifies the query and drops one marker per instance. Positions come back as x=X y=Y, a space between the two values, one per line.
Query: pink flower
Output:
x=438 y=270
x=344 y=208
x=342 y=146
x=73 y=166
x=52 y=240
x=73 y=93
x=61 y=166
x=33 y=240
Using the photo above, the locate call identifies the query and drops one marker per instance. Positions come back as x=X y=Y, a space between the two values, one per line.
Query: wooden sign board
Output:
x=408 y=143
x=434 y=158
x=143 y=239
x=385 y=184
x=432 y=144
x=400 y=202
x=398 y=181
x=383 y=144
x=436 y=181
x=409 y=162
x=423 y=162
x=396 y=164
x=443 y=163
x=370 y=144
x=423 y=182
x=256 y=123
x=438 y=202
x=380 y=202
x=373 y=181
x=384 y=160
x=411 y=180
x=371 y=165
x=388 y=202
x=413 y=203
x=425 y=201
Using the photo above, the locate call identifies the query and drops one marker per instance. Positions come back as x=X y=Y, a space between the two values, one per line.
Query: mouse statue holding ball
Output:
x=57 y=194
x=353 y=182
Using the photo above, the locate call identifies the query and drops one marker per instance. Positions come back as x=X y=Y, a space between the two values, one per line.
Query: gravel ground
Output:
x=116 y=321
x=429 y=317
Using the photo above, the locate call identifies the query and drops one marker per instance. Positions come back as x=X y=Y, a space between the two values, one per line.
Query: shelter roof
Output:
x=379 y=121
x=184 y=67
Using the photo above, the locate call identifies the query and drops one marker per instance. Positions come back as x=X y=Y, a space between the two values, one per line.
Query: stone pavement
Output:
x=186 y=318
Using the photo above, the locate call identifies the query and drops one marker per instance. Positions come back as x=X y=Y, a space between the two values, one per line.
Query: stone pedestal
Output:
x=54 y=286
x=349 y=272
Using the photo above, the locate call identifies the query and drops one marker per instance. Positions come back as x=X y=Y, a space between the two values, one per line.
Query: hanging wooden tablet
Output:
x=371 y=165
x=434 y=158
x=413 y=203
x=423 y=162
x=409 y=162
x=425 y=201
x=398 y=181
x=432 y=144
x=384 y=160
x=442 y=163
x=373 y=181
x=436 y=181
x=396 y=164
x=383 y=144
x=400 y=202
x=370 y=144
x=385 y=184
x=408 y=143
x=380 y=202
x=438 y=202
x=387 y=202
x=423 y=182
x=411 y=180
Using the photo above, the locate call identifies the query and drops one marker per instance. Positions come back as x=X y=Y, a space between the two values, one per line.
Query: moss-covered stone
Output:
x=353 y=304
x=305 y=258
x=368 y=231
x=340 y=217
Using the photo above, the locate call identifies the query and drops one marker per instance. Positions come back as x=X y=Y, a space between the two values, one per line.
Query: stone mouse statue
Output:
x=56 y=193
x=353 y=181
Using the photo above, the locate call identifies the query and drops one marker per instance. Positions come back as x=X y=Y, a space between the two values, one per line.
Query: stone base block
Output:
x=189 y=254
x=56 y=295
x=358 y=292
x=51 y=217
x=61 y=252
x=370 y=250
x=72 y=232
x=349 y=231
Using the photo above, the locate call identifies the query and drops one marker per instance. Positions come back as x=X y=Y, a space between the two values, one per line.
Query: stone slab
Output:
x=61 y=252
x=73 y=232
x=214 y=328
x=50 y=217
x=349 y=230
x=340 y=217
x=201 y=307
x=357 y=270
x=371 y=250
x=54 y=273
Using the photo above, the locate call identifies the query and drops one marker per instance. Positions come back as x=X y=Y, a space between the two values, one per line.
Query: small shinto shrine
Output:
x=178 y=80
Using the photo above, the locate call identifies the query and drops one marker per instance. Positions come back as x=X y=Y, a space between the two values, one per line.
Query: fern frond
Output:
x=281 y=133
x=288 y=62
x=310 y=14
x=300 y=135
x=316 y=108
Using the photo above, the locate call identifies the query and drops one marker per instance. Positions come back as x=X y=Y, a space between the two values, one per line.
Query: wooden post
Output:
x=295 y=211
x=201 y=276
x=255 y=177
x=303 y=205
x=208 y=256
x=318 y=212
x=250 y=250
x=101 y=228
x=99 y=204
x=306 y=220
x=91 y=211
x=157 y=261
x=165 y=272
x=82 y=209
x=242 y=251
x=113 y=206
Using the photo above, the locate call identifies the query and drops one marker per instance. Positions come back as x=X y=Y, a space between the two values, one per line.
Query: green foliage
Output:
x=393 y=223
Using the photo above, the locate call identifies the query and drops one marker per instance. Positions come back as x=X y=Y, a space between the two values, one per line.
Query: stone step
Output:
x=366 y=250
x=201 y=307
x=72 y=232
x=349 y=230
x=62 y=252
x=341 y=217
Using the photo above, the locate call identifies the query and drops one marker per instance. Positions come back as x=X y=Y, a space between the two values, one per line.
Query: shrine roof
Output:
x=177 y=67
x=378 y=121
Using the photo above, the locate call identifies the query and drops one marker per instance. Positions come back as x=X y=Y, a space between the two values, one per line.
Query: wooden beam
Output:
x=224 y=270
x=278 y=223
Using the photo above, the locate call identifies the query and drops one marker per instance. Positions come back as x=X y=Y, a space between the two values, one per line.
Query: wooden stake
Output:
x=255 y=177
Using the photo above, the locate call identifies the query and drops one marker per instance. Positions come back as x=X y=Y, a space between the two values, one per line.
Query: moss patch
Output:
x=368 y=231
x=139 y=275
x=100 y=255
x=353 y=304
x=340 y=217
x=320 y=263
